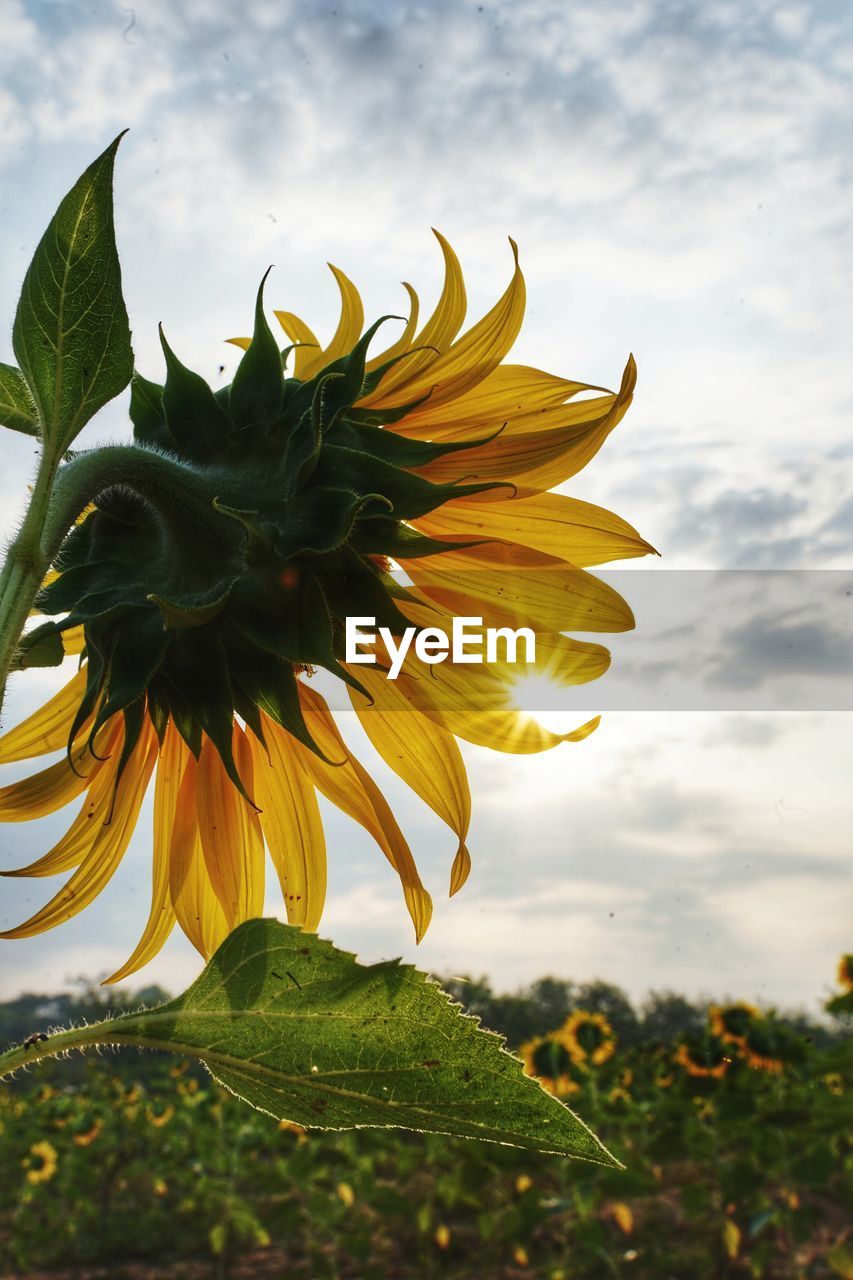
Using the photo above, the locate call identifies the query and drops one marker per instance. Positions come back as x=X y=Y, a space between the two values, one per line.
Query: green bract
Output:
x=229 y=543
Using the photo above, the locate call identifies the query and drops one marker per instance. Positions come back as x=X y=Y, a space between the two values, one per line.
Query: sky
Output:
x=678 y=180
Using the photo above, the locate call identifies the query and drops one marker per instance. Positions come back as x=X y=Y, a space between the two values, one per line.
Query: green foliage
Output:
x=303 y=1032
x=747 y=1176
x=16 y=404
x=71 y=335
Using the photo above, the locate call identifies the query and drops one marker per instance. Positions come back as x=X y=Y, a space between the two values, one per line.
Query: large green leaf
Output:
x=301 y=1030
x=71 y=334
x=16 y=404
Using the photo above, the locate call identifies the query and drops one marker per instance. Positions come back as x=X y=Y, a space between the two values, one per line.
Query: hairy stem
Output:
x=181 y=494
x=24 y=1055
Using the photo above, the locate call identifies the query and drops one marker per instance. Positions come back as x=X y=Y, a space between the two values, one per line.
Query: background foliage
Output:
x=158 y=1172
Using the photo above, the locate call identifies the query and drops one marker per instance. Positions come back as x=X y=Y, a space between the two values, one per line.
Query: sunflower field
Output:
x=733 y=1124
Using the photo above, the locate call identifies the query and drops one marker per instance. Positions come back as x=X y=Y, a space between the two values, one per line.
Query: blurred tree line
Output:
x=664 y=1016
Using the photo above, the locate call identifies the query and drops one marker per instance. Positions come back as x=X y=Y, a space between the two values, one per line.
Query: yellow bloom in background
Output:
x=159 y=1119
x=45 y=1165
x=435 y=456
x=346 y=1195
x=732 y=1022
x=548 y=1060
x=845 y=972
x=86 y=1137
x=707 y=1059
x=588 y=1037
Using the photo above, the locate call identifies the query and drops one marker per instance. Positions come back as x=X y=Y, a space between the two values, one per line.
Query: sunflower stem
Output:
x=24 y=569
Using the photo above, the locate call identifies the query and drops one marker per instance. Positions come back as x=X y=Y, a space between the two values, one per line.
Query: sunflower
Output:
x=158 y=1117
x=548 y=1060
x=767 y=1047
x=212 y=564
x=705 y=1058
x=85 y=1137
x=45 y=1165
x=588 y=1037
x=845 y=973
x=732 y=1022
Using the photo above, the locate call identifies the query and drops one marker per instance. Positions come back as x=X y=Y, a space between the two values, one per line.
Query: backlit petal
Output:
x=46 y=729
x=106 y=850
x=420 y=751
x=171 y=764
x=549 y=522
x=291 y=823
x=351 y=788
x=435 y=337
x=231 y=839
x=470 y=360
x=195 y=904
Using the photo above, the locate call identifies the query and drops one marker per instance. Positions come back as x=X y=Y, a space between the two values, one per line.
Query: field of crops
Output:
x=734 y=1127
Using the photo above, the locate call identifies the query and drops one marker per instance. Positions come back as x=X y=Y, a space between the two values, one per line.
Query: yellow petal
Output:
x=405 y=341
x=242 y=343
x=70 y=851
x=435 y=337
x=306 y=354
x=195 y=904
x=515 y=586
x=470 y=360
x=309 y=359
x=479 y=702
x=351 y=788
x=107 y=848
x=73 y=640
x=474 y=704
x=351 y=320
x=552 y=523
x=514 y=397
x=419 y=751
x=291 y=823
x=50 y=789
x=46 y=729
x=171 y=764
x=231 y=839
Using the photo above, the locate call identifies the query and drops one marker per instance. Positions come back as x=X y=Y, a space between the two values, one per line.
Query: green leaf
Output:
x=71 y=335
x=16 y=404
x=195 y=418
x=302 y=1031
x=41 y=647
x=257 y=391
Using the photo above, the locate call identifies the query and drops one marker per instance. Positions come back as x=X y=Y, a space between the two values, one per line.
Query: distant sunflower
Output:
x=42 y=1163
x=547 y=1059
x=588 y=1037
x=766 y=1047
x=732 y=1022
x=845 y=973
x=708 y=1057
x=215 y=568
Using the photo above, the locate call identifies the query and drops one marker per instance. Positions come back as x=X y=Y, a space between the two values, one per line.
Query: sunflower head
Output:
x=704 y=1057
x=41 y=1164
x=548 y=1059
x=732 y=1022
x=588 y=1037
x=254 y=520
x=211 y=566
